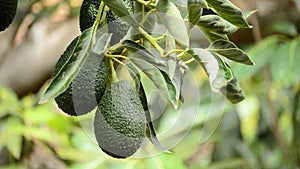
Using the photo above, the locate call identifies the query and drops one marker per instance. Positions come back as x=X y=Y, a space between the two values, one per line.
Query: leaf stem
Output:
x=99 y=14
x=147 y=3
x=147 y=16
x=114 y=77
x=152 y=41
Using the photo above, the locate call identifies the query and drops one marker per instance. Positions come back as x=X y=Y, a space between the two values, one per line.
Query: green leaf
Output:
x=11 y=136
x=249 y=118
x=172 y=19
x=9 y=102
x=173 y=65
x=157 y=77
x=230 y=51
x=212 y=36
x=143 y=53
x=195 y=10
x=65 y=57
x=285 y=63
x=119 y=8
x=233 y=91
x=150 y=132
x=229 y=11
x=215 y=23
x=64 y=77
x=102 y=44
x=219 y=74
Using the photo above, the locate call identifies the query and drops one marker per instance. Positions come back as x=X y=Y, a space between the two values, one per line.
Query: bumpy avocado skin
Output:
x=120 y=122
x=117 y=26
x=88 y=86
x=8 y=9
x=88 y=13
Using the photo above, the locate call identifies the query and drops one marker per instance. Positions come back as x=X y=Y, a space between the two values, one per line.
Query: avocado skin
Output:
x=87 y=87
x=8 y=9
x=120 y=122
x=88 y=13
x=116 y=26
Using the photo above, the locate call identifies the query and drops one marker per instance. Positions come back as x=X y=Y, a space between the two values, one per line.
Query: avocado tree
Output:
x=150 y=39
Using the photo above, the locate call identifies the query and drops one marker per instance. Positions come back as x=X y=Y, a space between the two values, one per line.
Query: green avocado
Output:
x=87 y=87
x=116 y=26
x=120 y=122
x=8 y=9
x=88 y=13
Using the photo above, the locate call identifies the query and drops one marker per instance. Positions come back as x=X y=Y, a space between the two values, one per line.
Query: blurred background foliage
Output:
x=262 y=132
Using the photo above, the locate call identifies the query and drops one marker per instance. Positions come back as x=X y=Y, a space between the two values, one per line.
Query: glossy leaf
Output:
x=173 y=65
x=119 y=8
x=64 y=78
x=229 y=11
x=233 y=91
x=219 y=74
x=195 y=10
x=230 y=51
x=172 y=19
x=102 y=43
x=156 y=76
x=215 y=23
x=150 y=132
x=213 y=36
x=66 y=56
x=143 y=53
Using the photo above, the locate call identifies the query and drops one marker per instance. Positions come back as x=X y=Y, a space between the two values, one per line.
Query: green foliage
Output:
x=163 y=69
x=261 y=132
x=88 y=13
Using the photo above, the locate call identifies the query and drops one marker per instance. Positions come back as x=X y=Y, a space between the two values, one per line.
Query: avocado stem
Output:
x=99 y=14
x=114 y=77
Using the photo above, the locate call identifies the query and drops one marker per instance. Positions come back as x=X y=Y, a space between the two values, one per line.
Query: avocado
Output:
x=8 y=9
x=87 y=87
x=120 y=122
x=116 y=26
x=88 y=13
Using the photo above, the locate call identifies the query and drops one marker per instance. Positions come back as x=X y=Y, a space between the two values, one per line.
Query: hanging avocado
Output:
x=120 y=122
x=87 y=87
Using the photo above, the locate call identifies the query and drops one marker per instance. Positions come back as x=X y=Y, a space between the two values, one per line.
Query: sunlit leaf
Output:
x=156 y=76
x=142 y=53
x=230 y=51
x=219 y=74
x=150 y=132
x=249 y=118
x=215 y=23
x=65 y=76
x=229 y=11
x=213 y=36
x=11 y=136
x=172 y=19
x=119 y=8
x=195 y=10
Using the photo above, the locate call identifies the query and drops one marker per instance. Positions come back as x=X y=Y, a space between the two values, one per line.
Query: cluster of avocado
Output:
x=120 y=122
x=8 y=9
